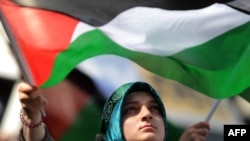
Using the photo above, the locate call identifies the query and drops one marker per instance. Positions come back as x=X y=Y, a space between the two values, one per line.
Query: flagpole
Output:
x=212 y=110
x=16 y=50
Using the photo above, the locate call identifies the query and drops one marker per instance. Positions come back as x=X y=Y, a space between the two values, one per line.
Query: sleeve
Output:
x=47 y=136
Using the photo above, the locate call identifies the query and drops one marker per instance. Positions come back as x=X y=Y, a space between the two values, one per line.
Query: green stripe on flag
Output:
x=212 y=68
x=221 y=52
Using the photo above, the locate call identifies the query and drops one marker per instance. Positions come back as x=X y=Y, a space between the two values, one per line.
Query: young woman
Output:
x=133 y=112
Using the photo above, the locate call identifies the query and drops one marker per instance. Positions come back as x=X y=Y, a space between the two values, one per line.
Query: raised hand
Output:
x=196 y=132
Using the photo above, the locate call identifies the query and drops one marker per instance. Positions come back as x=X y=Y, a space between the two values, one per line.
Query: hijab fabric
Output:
x=112 y=111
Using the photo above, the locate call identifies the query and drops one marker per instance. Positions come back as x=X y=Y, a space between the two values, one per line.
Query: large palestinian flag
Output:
x=205 y=49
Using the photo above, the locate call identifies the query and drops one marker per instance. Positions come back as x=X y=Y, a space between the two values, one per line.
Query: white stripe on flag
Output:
x=163 y=32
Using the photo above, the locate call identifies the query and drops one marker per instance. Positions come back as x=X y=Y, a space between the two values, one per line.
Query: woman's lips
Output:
x=147 y=127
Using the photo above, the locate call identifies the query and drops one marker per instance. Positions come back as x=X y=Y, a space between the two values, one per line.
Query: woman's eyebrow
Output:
x=130 y=102
x=153 y=101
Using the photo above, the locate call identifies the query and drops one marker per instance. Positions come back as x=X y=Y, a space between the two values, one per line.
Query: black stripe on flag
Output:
x=99 y=12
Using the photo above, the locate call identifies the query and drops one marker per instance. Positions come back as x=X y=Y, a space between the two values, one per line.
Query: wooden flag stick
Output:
x=16 y=50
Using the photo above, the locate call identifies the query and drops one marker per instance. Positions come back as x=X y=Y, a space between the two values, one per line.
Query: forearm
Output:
x=35 y=134
x=32 y=102
x=47 y=136
x=33 y=127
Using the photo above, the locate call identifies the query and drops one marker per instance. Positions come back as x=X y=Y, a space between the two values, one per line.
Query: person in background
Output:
x=133 y=112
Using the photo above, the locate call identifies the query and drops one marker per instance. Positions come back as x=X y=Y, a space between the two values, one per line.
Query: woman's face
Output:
x=142 y=119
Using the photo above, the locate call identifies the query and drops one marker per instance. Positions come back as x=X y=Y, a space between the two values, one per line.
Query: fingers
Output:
x=28 y=91
x=196 y=132
x=202 y=124
x=200 y=128
x=31 y=98
x=33 y=104
x=202 y=131
x=197 y=137
x=199 y=134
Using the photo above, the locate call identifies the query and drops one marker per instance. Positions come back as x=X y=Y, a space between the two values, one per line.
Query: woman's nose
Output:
x=145 y=113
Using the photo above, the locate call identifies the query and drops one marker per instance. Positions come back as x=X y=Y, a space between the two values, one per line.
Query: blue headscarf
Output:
x=112 y=111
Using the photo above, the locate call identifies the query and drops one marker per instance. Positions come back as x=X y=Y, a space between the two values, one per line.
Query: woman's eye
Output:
x=155 y=108
x=131 y=109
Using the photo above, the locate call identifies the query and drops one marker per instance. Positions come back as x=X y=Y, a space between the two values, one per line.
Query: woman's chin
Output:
x=149 y=137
